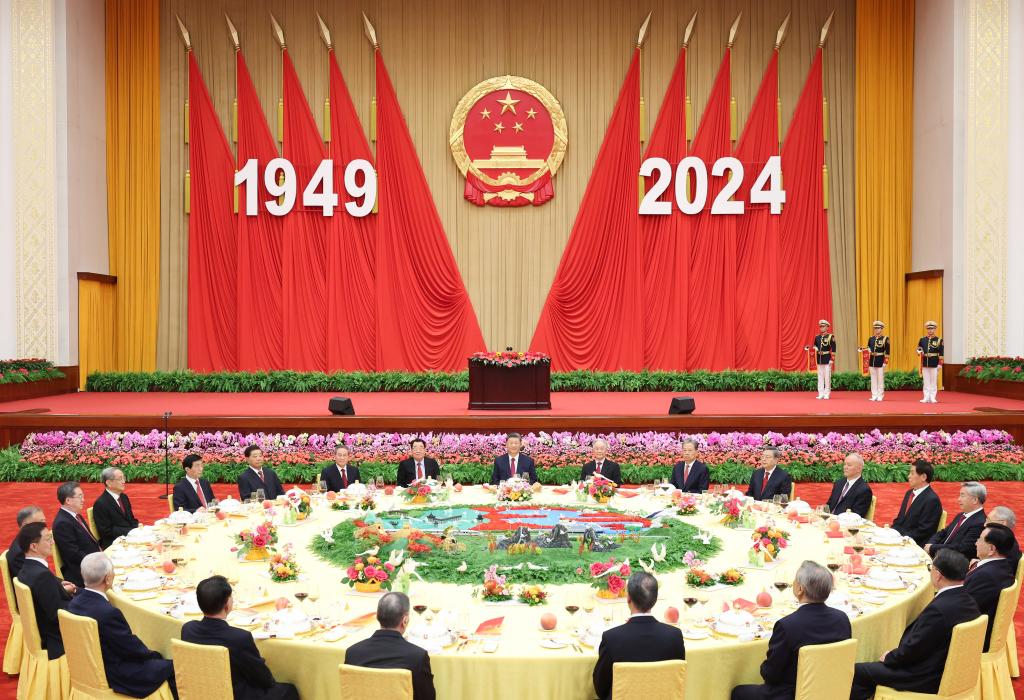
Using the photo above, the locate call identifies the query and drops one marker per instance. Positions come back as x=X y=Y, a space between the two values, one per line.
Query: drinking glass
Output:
x=260 y=495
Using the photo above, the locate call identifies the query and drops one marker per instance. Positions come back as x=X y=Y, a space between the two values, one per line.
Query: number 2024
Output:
x=694 y=168
x=318 y=193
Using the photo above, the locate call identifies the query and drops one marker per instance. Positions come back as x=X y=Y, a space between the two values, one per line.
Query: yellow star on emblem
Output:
x=499 y=127
x=508 y=103
x=531 y=113
x=485 y=113
x=517 y=126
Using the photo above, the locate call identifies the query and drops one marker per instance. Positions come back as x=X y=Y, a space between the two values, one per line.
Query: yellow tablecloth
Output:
x=520 y=667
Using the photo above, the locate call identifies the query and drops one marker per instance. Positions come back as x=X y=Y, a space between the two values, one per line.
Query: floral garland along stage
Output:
x=994 y=367
x=510 y=359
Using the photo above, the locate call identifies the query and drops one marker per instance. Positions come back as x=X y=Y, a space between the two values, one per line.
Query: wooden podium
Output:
x=495 y=387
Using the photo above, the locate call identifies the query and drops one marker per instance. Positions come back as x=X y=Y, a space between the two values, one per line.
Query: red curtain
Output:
x=593 y=316
x=806 y=277
x=425 y=320
x=757 y=235
x=211 y=235
x=305 y=237
x=260 y=327
x=665 y=240
x=712 y=284
x=351 y=307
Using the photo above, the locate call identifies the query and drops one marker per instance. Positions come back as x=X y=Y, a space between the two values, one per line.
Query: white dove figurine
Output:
x=656 y=554
x=462 y=568
x=328 y=536
x=371 y=552
x=649 y=568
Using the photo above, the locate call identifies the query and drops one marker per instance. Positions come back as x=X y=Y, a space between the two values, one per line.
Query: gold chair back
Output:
x=1004 y=616
x=963 y=663
x=92 y=524
x=12 y=604
x=359 y=682
x=202 y=671
x=58 y=561
x=12 y=650
x=29 y=625
x=654 y=679
x=1020 y=570
x=871 y=508
x=942 y=520
x=825 y=670
x=85 y=658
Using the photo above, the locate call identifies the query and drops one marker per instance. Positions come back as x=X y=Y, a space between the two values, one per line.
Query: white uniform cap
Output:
x=931 y=324
x=823 y=322
x=878 y=324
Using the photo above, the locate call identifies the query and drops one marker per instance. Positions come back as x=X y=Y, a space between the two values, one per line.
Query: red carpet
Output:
x=755 y=403
x=148 y=508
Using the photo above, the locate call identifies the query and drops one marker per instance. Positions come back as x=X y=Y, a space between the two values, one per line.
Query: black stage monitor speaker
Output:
x=681 y=405
x=340 y=406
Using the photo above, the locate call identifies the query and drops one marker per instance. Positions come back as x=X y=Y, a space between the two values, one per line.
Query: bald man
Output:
x=851 y=492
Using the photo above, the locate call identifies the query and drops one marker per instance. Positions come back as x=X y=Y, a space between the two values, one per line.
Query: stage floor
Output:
x=753 y=403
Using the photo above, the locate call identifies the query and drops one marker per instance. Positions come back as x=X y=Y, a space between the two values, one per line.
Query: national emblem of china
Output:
x=508 y=138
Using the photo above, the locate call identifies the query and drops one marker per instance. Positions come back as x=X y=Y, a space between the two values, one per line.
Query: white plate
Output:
x=695 y=634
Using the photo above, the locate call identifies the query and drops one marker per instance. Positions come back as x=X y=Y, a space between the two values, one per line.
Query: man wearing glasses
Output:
x=112 y=512
x=71 y=532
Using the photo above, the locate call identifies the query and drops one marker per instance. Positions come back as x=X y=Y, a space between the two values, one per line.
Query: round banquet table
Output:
x=520 y=667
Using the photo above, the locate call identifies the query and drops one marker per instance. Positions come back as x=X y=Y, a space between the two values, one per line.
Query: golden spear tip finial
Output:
x=325 y=33
x=278 y=31
x=370 y=33
x=233 y=32
x=689 y=30
x=184 y=33
x=732 y=31
x=643 y=31
x=824 y=30
x=781 y=36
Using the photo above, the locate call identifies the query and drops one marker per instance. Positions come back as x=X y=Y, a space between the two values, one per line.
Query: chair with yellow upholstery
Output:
x=85 y=661
x=202 y=671
x=645 y=680
x=39 y=678
x=58 y=560
x=960 y=676
x=359 y=683
x=995 y=671
x=12 y=652
x=170 y=505
x=92 y=525
x=871 y=508
x=942 y=520
x=825 y=670
x=792 y=491
x=1011 y=635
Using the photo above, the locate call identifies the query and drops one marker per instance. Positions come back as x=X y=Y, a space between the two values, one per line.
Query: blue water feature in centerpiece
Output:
x=438 y=519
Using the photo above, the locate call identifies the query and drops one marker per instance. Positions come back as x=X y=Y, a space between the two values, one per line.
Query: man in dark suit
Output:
x=112 y=512
x=690 y=474
x=256 y=476
x=917 y=663
x=71 y=533
x=991 y=572
x=15 y=555
x=513 y=462
x=192 y=492
x=131 y=668
x=49 y=594
x=770 y=479
x=641 y=638
x=851 y=492
x=387 y=647
x=418 y=465
x=1002 y=515
x=250 y=677
x=341 y=474
x=921 y=509
x=812 y=623
x=600 y=464
x=962 y=534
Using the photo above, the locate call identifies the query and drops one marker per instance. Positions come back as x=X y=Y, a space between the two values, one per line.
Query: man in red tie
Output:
x=71 y=533
x=192 y=493
x=513 y=462
x=920 y=512
x=112 y=512
x=689 y=474
x=418 y=465
x=341 y=474
x=600 y=464
x=257 y=477
x=770 y=480
x=962 y=533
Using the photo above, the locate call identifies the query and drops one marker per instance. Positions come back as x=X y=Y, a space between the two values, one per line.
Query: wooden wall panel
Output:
x=436 y=51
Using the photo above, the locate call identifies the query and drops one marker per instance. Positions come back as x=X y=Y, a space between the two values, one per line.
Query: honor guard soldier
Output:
x=878 y=359
x=931 y=351
x=824 y=355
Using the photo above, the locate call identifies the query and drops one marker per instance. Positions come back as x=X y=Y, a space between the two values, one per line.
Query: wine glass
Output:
x=833 y=563
x=379 y=481
x=690 y=601
x=261 y=495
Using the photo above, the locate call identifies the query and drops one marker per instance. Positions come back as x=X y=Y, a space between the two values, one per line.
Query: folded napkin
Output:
x=492 y=626
x=744 y=604
x=626 y=494
x=799 y=518
x=859 y=570
x=834 y=535
x=868 y=551
x=362 y=620
x=560 y=491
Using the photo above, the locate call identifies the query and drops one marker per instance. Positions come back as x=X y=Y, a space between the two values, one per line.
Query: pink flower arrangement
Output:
x=609 y=576
x=369 y=571
x=260 y=537
x=598 y=487
x=494 y=589
x=685 y=503
x=510 y=358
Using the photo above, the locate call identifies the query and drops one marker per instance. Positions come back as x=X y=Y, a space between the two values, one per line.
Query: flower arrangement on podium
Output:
x=685 y=503
x=422 y=491
x=301 y=503
x=510 y=359
x=254 y=543
x=609 y=578
x=369 y=575
x=495 y=588
x=515 y=490
x=769 y=541
x=533 y=595
x=599 y=488
x=283 y=566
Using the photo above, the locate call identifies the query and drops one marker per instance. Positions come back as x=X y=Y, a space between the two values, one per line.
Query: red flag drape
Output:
x=260 y=326
x=665 y=240
x=304 y=255
x=211 y=235
x=803 y=227
x=757 y=235
x=592 y=317
x=712 y=284
x=351 y=307
x=425 y=320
